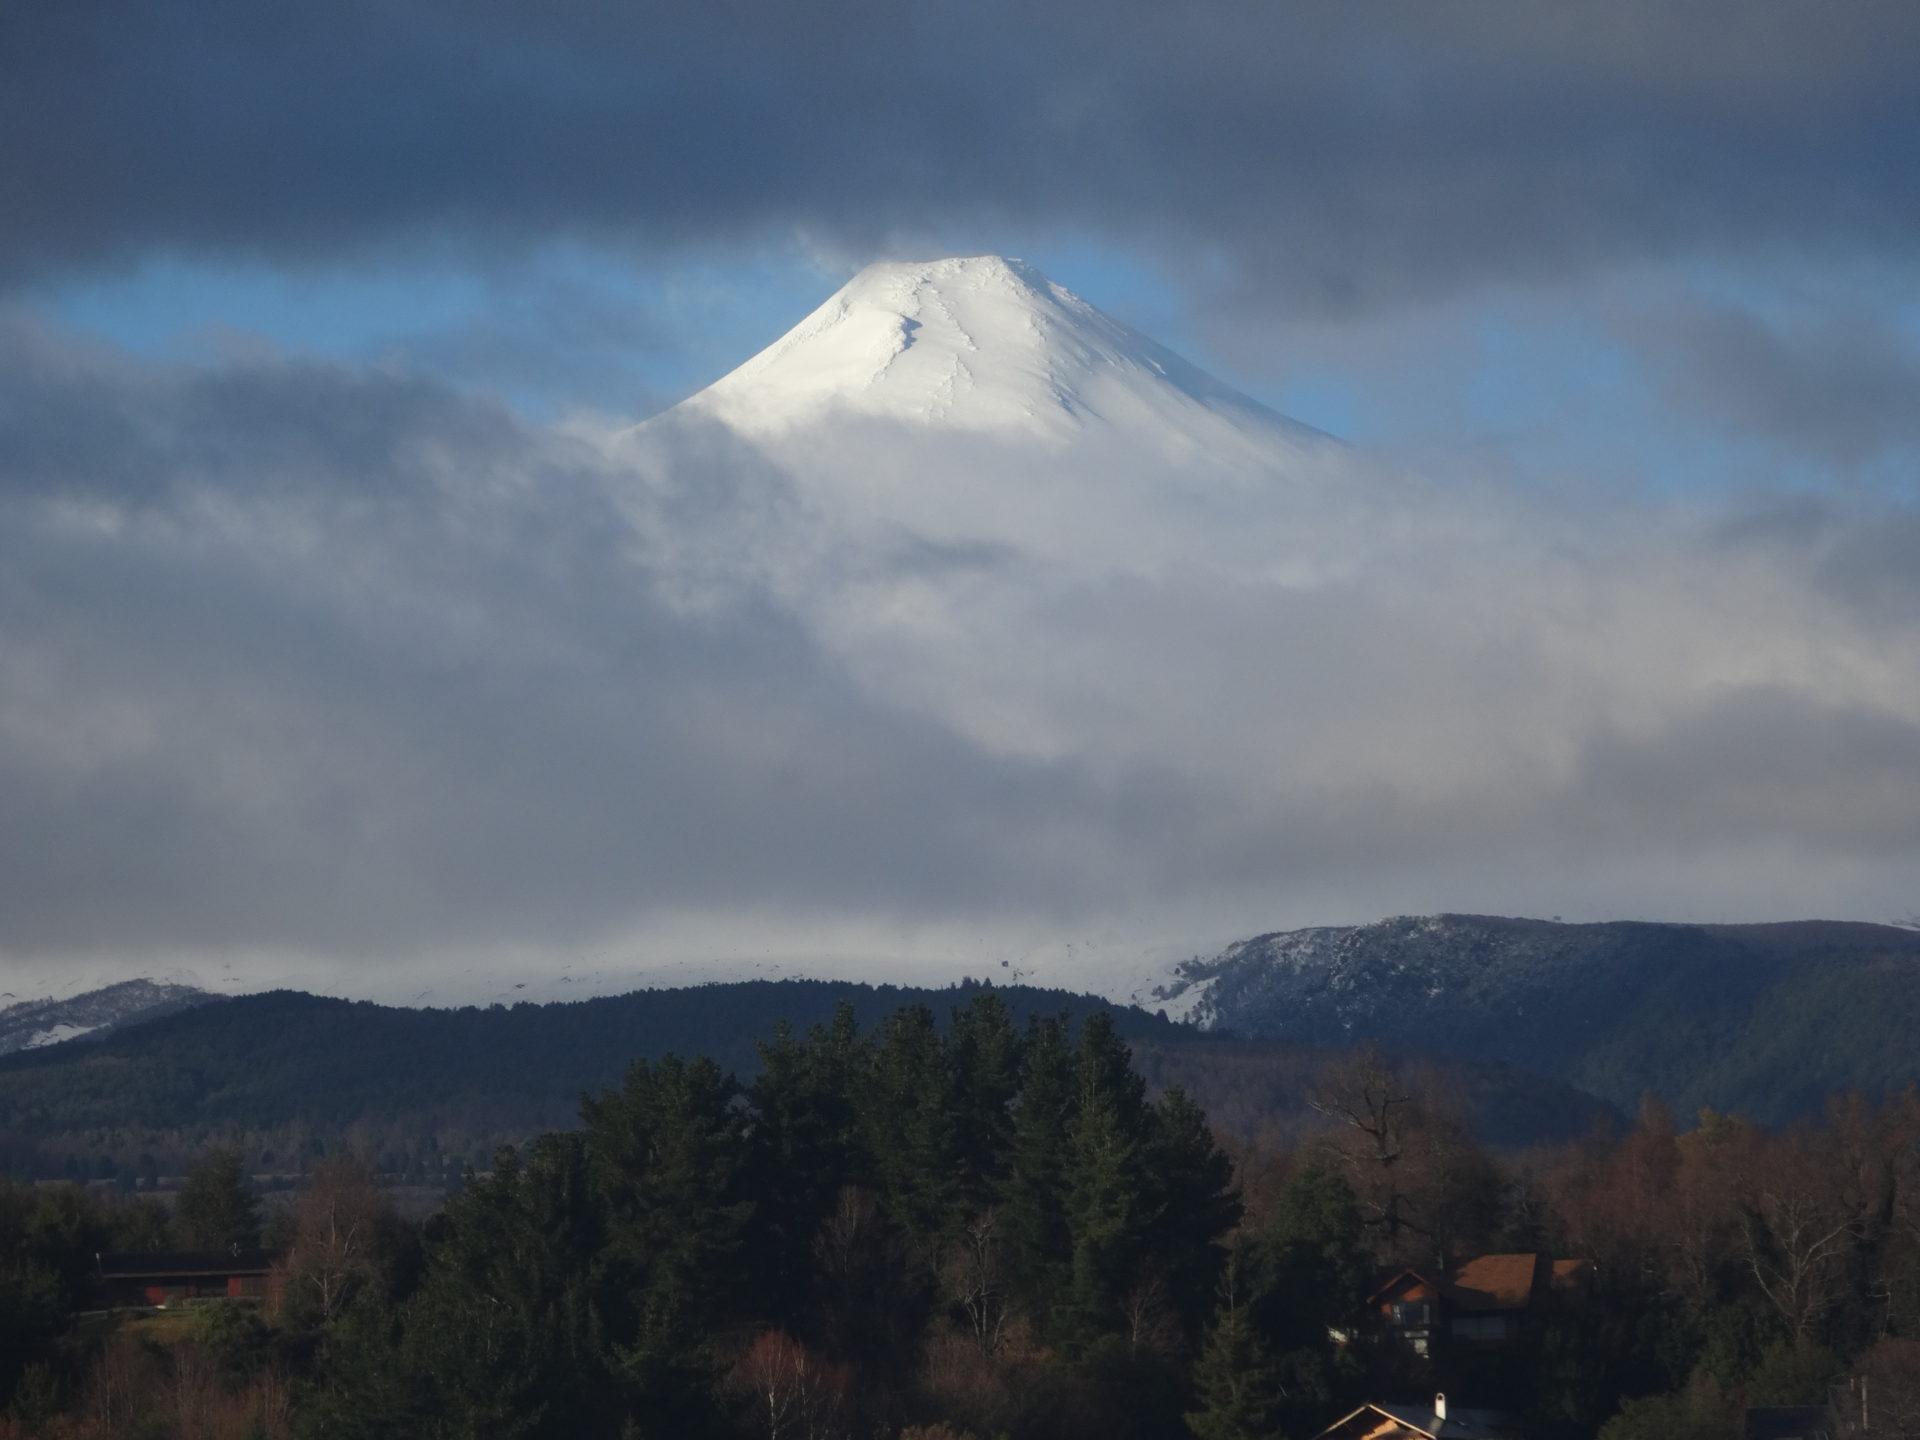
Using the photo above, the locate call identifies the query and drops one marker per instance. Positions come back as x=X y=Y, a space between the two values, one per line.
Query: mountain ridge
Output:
x=286 y=1066
x=1768 y=1019
x=36 y=1024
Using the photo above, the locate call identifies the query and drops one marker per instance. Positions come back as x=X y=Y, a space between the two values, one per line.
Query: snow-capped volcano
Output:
x=971 y=407
x=948 y=461
x=987 y=345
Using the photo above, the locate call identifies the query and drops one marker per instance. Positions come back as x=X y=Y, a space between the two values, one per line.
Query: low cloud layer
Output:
x=338 y=663
x=1834 y=386
x=353 y=662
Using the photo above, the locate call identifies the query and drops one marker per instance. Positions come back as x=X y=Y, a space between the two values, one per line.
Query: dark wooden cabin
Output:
x=133 y=1278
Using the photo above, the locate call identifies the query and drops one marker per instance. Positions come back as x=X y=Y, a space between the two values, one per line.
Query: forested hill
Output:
x=261 y=1059
x=1766 y=1020
x=291 y=1071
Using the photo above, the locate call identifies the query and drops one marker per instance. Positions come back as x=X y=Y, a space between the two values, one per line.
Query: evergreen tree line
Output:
x=420 y=1091
x=983 y=1225
x=980 y=1225
x=426 y=1094
x=990 y=1229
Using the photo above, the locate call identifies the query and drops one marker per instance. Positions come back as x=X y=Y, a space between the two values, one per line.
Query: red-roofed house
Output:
x=1485 y=1302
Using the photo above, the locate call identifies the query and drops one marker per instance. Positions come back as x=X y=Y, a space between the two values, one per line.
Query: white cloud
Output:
x=348 y=679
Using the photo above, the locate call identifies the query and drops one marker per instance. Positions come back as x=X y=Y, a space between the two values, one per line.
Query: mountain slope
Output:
x=989 y=507
x=287 y=1068
x=989 y=345
x=1766 y=1019
x=35 y=1024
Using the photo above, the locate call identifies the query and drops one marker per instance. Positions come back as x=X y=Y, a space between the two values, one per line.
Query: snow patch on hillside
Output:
x=62 y=1014
x=57 y=1034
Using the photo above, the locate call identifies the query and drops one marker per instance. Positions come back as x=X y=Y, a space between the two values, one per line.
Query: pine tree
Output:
x=365 y=1386
x=217 y=1209
x=802 y=1122
x=669 y=1156
x=911 y=1133
x=1302 y=1279
x=1110 y=1204
x=1195 y=1207
x=1033 y=1192
x=985 y=1050
x=505 y=1334
x=1235 y=1380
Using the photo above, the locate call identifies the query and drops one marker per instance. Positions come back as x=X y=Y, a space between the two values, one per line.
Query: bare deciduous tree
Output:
x=1424 y=1185
x=789 y=1392
x=976 y=1278
x=1800 y=1227
x=1367 y=1098
x=337 y=1223
x=193 y=1392
x=1146 y=1308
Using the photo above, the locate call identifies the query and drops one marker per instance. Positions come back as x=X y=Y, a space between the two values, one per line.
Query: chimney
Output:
x=1440 y=1406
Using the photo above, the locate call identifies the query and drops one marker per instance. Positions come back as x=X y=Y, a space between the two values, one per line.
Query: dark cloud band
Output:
x=1311 y=156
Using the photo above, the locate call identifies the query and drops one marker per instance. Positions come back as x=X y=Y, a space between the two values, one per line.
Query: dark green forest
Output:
x=426 y=1093
x=987 y=1227
x=989 y=1188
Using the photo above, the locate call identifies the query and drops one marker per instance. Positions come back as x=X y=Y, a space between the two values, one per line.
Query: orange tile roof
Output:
x=1389 y=1281
x=1572 y=1274
x=1494 y=1282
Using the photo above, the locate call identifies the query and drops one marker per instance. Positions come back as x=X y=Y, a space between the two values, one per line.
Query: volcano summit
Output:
x=989 y=346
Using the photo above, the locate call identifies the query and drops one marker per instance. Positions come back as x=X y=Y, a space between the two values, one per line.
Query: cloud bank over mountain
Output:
x=323 y=643
x=336 y=667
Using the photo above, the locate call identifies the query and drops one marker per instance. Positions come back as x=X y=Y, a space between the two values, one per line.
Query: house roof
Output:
x=155 y=1264
x=1495 y=1282
x=1421 y=1420
x=1570 y=1273
x=1391 y=1278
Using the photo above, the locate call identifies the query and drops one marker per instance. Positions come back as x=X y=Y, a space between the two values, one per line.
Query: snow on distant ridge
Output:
x=34 y=1024
x=57 y=1035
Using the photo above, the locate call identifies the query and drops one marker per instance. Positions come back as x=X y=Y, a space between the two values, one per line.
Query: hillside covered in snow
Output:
x=1764 y=1019
x=36 y=1024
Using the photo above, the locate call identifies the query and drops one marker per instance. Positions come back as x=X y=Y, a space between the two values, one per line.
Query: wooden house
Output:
x=1484 y=1303
x=1381 y=1421
x=160 y=1278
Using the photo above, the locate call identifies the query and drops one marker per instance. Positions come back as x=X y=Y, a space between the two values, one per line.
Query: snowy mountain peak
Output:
x=955 y=271
x=987 y=345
